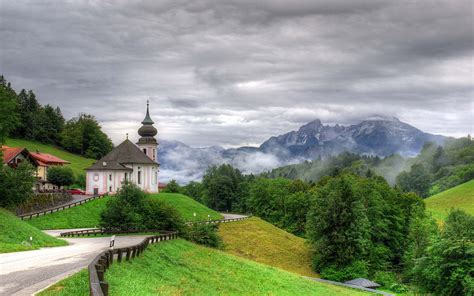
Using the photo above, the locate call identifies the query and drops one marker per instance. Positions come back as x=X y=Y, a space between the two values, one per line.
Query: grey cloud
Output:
x=234 y=73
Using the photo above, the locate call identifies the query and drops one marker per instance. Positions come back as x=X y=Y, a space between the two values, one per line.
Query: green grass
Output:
x=78 y=163
x=459 y=197
x=265 y=243
x=15 y=235
x=84 y=216
x=88 y=215
x=188 y=206
x=182 y=268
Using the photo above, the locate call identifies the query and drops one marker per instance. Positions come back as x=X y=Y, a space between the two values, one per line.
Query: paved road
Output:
x=232 y=216
x=23 y=273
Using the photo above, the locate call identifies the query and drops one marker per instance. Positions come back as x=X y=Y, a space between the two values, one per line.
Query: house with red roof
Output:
x=13 y=156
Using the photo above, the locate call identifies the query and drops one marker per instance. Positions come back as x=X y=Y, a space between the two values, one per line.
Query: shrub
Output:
x=125 y=210
x=160 y=215
x=16 y=184
x=203 y=234
x=60 y=176
x=389 y=280
x=357 y=269
x=172 y=187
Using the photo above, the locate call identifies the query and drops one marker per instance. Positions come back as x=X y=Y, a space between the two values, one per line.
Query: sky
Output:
x=233 y=73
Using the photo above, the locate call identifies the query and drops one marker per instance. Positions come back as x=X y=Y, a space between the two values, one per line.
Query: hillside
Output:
x=262 y=242
x=88 y=214
x=182 y=268
x=15 y=235
x=461 y=196
x=78 y=163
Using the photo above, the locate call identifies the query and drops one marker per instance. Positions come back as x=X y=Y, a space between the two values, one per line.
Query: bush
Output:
x=160 y=215
x=357 y=269
x=203 y=234
x=125 y=210
x=131 y=209
x=389 y=280
x=172 y=187
x=16 y=184
x=60 y=176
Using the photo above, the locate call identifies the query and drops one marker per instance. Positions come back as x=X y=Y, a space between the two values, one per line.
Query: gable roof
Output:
x=47 y=159
x=125 y=153
x=361 y=282
x=10 y=153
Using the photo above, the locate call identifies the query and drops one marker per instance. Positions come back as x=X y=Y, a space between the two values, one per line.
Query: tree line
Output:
x=357 y=225
x=23 y=117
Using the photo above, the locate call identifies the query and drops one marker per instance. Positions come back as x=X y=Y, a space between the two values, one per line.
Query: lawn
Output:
x=15 y=235
x=188 y=206
x=262 y=242
x=182 y=268
x=78 y=163
x=88 y=215
x=461 y=197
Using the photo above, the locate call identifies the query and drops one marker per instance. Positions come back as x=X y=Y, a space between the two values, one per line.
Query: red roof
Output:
x=161 y=185
x=47 y=159
x=10 y=153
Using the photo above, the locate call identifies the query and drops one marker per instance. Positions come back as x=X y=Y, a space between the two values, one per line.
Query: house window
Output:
x=139 y=177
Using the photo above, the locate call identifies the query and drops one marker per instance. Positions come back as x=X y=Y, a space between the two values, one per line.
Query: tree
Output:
x=172 y=187
x=60 y=176
x=224 y=188
x=16 y=185
x=447 y=267
x=8 y=106
x=417 y=180
x=83 y=135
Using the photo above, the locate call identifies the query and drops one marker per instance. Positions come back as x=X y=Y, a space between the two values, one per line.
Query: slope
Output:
x=182 y=268
x=88 y=214
x=461 y=197
x=265 y=243
x=78 y=163
x=15 y=235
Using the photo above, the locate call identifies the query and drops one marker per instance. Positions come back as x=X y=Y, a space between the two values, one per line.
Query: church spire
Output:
x=147 y=119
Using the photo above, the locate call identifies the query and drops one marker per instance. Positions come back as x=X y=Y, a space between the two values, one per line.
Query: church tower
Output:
x=147 y=142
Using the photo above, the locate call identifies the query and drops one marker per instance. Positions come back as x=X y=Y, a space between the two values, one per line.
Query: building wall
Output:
x=108 y=181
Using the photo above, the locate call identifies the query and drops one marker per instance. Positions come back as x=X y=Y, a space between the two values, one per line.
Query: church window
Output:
x=144 y=150
x=139 y=177
x=96 y=177
x=155 y=179
x=154 y=154
x=110 y=177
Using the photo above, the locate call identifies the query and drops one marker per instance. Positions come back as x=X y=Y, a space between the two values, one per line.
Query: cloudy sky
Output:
x=233 y=73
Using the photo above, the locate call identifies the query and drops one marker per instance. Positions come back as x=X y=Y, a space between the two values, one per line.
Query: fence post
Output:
x=119 y=257
x=127 y=256
x=104 y=287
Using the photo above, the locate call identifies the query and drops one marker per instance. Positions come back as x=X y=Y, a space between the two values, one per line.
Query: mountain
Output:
x=374 y=136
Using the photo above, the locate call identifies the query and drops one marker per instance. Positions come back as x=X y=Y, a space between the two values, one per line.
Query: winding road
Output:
x=25 y=273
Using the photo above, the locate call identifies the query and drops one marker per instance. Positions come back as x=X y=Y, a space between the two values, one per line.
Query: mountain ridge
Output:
x=377 y=135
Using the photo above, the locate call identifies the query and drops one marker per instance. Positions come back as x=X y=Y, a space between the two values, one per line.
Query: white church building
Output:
x=136 y=163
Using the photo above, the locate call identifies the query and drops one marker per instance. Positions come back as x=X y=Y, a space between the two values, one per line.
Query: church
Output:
x=137 y=164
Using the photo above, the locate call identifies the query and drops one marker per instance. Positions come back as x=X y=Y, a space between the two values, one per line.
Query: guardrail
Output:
x=97 y=268
x=97 y=231
x=59 y=208
x=98 y=286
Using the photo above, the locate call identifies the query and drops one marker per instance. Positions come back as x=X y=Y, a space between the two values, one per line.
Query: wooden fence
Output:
x=98 y=286
x=59 y=208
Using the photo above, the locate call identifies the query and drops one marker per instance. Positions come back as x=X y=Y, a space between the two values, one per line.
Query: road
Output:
x=24 y=273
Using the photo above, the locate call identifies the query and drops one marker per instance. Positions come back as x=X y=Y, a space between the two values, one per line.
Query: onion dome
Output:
x=147 y=131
